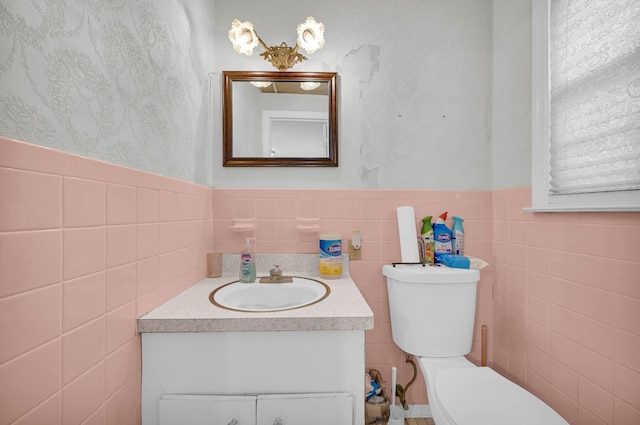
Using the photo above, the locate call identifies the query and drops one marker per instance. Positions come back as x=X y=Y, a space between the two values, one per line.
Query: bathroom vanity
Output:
x=205 y=364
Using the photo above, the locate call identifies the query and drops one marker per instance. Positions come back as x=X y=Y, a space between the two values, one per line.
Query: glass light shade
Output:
x=261 y=84
x=309 y=85
x=243 y=37
x=311 y=35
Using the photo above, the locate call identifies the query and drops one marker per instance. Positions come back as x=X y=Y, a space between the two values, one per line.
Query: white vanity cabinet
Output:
x=270 y=409
x=179 y=409
x=209 y=359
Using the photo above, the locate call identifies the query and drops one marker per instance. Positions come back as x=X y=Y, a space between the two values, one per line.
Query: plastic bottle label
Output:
x=330 y=258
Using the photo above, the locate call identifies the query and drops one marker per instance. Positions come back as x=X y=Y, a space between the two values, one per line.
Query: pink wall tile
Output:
x=26 y=156
x=147 y=275
x=83 y=300
x=34 y=377
x=120 y=286
x=624 y=413
x=121 y=204
x=625 y=278
x=122 y=365
x=83 y=395
x=96 y=418
x=626 y=314
x=123 y=407
x=29 y=260
x=147 y=240
x=168 y=206
x=566 y=406
x=592 y=296
x=61 y=333
x=84 y=251
x=121 y=245
x=595 y=335
x=563 y=349
x=29 y=200
x=626 y=384
x=120 y=326
x=596 y=368
x=627 y=242
x=82 y=349
x=84 y=202
x=595 y=400
x=590 y=311
x=49 y=412
x=147 y=205
x=563 y=378
x=28 y=320
x=626 y=348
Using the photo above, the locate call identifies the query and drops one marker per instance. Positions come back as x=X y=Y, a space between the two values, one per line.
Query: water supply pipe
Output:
x=483 y=358
x=402 y=392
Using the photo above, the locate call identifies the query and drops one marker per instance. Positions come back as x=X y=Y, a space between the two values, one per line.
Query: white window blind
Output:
x=593 y=95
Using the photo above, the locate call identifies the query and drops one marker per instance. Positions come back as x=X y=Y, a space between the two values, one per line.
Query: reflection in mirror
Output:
x=279 y=119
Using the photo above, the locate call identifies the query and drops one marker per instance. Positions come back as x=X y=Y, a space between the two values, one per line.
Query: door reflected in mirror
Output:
x=279 y=119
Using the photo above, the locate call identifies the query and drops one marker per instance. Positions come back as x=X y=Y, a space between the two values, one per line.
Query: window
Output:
x=586 y=105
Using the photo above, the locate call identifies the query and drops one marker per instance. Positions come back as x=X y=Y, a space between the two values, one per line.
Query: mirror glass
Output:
x=279 y=119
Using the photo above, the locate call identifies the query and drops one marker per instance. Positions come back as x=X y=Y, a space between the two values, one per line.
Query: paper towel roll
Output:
x=408 y=235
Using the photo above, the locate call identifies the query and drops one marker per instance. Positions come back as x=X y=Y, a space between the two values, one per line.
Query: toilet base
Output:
x=430 y=367
x=462 y=394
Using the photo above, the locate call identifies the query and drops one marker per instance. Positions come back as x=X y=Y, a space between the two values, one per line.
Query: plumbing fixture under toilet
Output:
x=432 y=317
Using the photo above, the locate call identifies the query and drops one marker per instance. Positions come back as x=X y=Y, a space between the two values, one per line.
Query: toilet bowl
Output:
x=432 y=317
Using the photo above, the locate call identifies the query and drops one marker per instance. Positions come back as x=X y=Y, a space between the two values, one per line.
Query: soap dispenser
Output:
x=248 y=264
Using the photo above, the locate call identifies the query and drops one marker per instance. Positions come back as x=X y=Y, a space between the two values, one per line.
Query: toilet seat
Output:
x=481 y=396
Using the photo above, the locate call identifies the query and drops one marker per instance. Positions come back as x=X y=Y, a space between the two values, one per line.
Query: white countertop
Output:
x=191 y=311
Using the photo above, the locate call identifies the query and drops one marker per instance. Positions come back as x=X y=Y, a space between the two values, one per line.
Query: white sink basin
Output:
x=262 y=297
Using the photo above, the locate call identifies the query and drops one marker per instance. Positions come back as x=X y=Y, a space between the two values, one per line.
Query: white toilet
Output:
x=432 y=316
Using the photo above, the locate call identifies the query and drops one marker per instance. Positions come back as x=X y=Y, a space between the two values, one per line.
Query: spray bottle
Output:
x=427 y=238
x=248 y=264
x=458 y=236
x=442 y=237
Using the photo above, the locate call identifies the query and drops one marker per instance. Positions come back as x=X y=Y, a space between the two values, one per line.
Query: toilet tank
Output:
x=432 y=308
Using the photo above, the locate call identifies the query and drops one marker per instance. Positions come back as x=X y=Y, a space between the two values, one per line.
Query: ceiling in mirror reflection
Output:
x=296 y=87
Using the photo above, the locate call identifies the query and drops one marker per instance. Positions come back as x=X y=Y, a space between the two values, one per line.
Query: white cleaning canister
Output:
x=330 y=256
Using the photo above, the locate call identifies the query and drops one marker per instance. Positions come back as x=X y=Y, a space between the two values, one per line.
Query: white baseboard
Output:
x=418 y=411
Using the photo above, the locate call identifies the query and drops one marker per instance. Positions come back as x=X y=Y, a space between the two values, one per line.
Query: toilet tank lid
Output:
x=416 y=273
x=481 y=396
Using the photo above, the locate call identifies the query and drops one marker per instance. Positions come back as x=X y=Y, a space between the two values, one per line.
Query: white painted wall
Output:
x=414 y=97
x=433 y=93
x=511 y=126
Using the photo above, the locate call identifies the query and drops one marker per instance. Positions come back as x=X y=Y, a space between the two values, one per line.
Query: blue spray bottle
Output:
x=442 y=238
x=458 y=236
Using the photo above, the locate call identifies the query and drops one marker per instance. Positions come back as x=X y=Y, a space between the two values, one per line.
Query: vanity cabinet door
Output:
x=207 y=410
x=305 y=409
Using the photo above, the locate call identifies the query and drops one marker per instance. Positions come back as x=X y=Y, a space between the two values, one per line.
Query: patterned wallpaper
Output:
x=112 y=80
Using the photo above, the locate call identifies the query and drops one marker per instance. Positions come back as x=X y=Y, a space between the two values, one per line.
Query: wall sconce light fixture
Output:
x=310 y=37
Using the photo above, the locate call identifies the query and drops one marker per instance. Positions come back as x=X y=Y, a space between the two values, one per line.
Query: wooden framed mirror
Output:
x=281 y=119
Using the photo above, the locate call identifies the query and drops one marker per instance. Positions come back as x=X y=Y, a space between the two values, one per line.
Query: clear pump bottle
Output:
x=248 y=264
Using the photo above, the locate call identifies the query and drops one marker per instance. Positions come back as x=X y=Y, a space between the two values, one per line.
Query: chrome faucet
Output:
x=276 y=276
x=275 y=272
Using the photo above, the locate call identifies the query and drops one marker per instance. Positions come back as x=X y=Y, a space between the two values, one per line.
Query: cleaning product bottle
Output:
x=441 y=237
x=248 y=264
x=458 y=236
x=427 y=238
x=330 y=260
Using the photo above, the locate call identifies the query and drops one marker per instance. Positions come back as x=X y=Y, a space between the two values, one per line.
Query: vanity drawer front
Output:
x=308 y=409
x=179 y=409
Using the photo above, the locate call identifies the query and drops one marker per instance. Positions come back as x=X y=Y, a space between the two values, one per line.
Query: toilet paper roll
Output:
x=408 y=235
